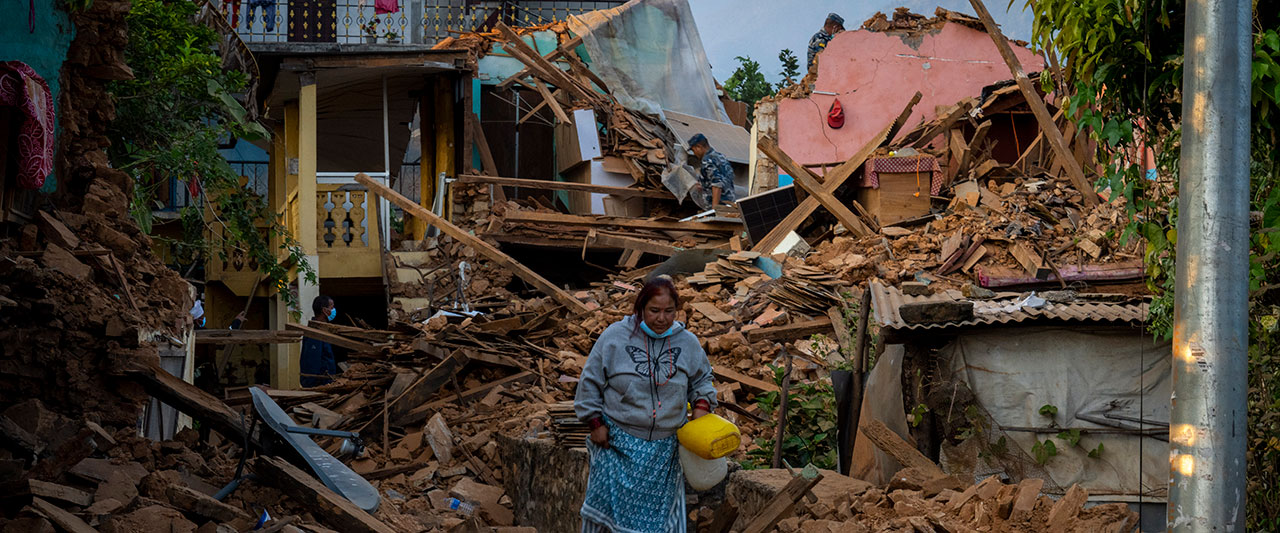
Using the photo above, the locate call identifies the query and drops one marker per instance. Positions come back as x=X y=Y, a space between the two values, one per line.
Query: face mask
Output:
x=200 y=322
x=333 y=313
x=675 y=328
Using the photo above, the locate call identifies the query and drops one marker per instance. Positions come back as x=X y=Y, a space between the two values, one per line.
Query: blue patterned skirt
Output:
x=634 y=486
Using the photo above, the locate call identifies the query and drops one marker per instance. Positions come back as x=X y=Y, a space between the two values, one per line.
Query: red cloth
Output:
x=382 y=7
x=22 y=88
x=927 y=166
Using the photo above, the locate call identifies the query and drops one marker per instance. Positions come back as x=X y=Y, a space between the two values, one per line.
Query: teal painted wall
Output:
x=46 y=48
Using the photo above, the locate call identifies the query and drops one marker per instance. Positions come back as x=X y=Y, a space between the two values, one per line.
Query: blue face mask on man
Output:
x=333 y=313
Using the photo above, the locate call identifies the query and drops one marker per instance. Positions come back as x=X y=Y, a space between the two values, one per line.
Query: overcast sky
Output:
x=760 y=29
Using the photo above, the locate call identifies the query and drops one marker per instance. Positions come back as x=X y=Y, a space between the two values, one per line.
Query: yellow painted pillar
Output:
x=426 y=167
x=284 y=362
x=444 y=127
x=307 y=234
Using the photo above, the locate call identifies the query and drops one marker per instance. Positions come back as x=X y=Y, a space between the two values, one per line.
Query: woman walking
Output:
x=641 y=375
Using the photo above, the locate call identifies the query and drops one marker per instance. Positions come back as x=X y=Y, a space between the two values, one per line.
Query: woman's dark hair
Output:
x=651 y=289
x=318 y=305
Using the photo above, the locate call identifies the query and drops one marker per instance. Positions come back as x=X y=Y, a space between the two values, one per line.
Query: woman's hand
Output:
x=600 y=436
x=699 y=412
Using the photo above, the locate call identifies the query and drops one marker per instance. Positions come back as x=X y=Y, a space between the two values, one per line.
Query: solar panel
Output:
x=764 y=211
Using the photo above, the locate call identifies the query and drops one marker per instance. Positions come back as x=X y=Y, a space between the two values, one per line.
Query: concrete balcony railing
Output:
x=413 y=22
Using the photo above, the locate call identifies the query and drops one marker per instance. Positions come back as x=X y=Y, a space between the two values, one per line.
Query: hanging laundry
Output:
x=22 y=88
x=268 y=14
x=231 y=10
x=382 y=7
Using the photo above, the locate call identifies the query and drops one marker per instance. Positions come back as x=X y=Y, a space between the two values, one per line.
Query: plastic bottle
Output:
x=461 y=506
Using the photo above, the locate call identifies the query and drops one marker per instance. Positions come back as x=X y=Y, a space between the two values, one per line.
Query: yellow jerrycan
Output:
x=710 y=437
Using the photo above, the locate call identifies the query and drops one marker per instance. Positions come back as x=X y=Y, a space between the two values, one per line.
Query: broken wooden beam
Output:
x=727 y=374
x=782 y=504
x=809 y=182
x=1047 y=124
x=903 y=452
x=190 y=400
x=631 y=243
x=331 y=338
x=327 y=505
x=997 y=276
x=65 y=520
x=566 y=186
x=798 y=330
x=246 y=336
x=62 y=493
x=420 y=391
x=484 y=248
x=422 y=412
x=559 y=219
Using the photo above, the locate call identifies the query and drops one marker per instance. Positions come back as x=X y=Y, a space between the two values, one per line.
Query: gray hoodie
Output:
x=617 y=380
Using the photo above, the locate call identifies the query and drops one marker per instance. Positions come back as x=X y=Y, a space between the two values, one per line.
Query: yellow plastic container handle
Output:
x=710 y=437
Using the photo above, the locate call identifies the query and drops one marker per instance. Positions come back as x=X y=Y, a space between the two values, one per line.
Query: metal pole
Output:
x=1210 y=335
x=384 y=208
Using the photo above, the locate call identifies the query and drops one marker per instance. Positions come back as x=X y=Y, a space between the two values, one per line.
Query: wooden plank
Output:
x=484 y=248
x=782 y=504
x=431 y=382
x=972 y=148
x=559 y=52
x=959 y=152
x=336 y=340
x=906 y=454
x=332 y=509
x=833 y=182
x=64 y=520
x=551 y=101
x=62 y=493
x=1047 y=124
x=928 y=131
x=540 y=66
x=566 y=186
x=712 y=312
x=809 y=182
x=246 y=336
x=1030 y=261
x=632 y=243
x=758 y=386
x=901 y=121
x=844 y=335
x=192 y=401
x=422 y=413
x=791 y=331
x=558 y=219
x=482 y=145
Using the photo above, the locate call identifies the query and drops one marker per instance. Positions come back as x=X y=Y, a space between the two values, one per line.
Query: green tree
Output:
x=171 y=118
x=790 y=68
x=1134 y=48
x=747 y=84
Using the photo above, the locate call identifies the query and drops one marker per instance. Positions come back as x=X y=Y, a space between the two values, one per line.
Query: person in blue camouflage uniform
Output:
x=716 y=179
x=834 y=25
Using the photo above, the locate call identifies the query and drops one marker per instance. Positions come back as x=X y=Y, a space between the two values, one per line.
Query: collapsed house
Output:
x=547 y=151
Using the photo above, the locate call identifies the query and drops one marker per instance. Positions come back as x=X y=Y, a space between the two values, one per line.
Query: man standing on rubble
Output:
x=833 y=25
x=317 y=365
x=640 y=376
x=715 y=182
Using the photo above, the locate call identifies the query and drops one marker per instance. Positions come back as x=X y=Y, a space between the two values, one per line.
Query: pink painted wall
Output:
x=875 y=75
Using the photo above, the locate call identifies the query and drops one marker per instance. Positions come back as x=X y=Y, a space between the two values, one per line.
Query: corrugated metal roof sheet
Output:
x=729 y=139
x=885 y=302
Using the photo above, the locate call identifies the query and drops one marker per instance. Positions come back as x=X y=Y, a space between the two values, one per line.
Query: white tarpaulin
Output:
x=650 y=55
x=1113 y=380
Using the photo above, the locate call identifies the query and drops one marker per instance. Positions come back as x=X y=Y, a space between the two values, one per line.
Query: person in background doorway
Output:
x=715 y=181
x=317 y=365
x=833 y=25
x=640 y=376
